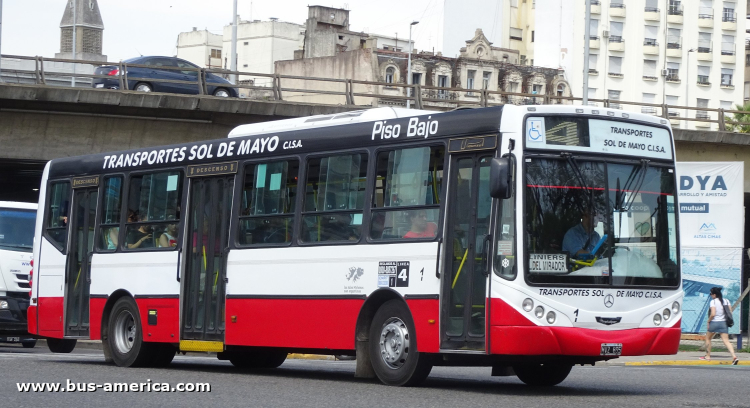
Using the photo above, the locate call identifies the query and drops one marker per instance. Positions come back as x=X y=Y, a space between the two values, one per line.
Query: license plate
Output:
x=611 y=349
x=99 y=85
x=13 y=339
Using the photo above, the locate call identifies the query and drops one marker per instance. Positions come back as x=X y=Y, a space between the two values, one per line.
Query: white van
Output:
x=17 y=222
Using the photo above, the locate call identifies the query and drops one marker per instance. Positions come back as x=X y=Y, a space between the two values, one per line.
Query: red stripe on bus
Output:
x=31 y=320
x=51 y=317
x=96 y=309
x=294 y=323
x=426 y=315
x=167 y=327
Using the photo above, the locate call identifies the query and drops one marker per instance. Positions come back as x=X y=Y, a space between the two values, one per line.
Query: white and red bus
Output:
x=529 y=239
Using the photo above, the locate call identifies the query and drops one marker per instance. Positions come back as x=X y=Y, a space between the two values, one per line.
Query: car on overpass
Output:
x=155 y=74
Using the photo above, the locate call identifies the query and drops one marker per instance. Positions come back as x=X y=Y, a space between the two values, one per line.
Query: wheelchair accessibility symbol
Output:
x=535 y=130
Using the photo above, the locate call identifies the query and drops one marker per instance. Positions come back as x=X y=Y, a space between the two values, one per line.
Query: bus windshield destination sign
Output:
x=550 y=263
x=604 y=136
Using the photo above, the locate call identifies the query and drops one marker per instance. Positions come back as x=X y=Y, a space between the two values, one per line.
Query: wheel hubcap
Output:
x=394 y=343
x=143 y=88
x=125 y=332
x=222 y=93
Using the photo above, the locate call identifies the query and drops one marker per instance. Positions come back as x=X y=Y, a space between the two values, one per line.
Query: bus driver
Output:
x=581 y=239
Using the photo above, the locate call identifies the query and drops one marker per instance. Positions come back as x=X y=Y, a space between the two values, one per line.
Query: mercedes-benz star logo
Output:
x=609 y=300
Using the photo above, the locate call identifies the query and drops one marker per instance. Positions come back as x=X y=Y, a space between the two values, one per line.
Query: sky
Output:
x=150 y=27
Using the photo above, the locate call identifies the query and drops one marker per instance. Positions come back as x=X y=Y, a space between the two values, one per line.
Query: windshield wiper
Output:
x=579 y=176
x=642 y=177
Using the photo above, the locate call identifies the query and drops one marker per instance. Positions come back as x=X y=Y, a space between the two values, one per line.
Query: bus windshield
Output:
x=594 y=222
x=17 y=229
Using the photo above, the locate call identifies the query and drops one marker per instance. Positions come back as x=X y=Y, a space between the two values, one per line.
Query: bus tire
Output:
x=162 y=354
x=265 y=359
x=125 y=335
x=542 y=375
x=28 y=343
x=393 y=348
x=61 y=345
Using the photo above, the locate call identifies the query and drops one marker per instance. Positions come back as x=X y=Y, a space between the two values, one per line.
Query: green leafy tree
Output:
x=739 y=117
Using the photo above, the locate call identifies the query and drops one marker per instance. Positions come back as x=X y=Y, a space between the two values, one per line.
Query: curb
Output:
x=684 y=363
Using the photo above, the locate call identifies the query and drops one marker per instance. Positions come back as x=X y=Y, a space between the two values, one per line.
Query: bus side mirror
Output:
x=501 y=177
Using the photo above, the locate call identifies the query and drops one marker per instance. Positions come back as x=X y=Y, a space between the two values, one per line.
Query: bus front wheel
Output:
x=542 y=375
x=393 y=347
x=125 y=335
x=61 y=345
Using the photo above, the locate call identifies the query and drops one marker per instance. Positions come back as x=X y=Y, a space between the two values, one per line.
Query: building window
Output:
x=703 y=74
x=726 y=76
x=747 y=90
x=470 y=79
x=706 y=10
x=701 y=103
x=652 y=6
x=727 y=45
x=615 y=32
x=216 y=53
x=536 y=89
x=592 y=95
x=728 y=15
x=649 y=69
x=649 y=98
x=675 y=8
x=650 y=35
x=594 y=28
x=726 y=105
x=615 y=66
x=516 y=34
x=486 y=79
x=674 y=38
x=704 y=42
x=672 y=100
x=673 y=71
x=389 y=73
x=613 y=96
x=592 y=63
x=747 y=60
x=442 y=83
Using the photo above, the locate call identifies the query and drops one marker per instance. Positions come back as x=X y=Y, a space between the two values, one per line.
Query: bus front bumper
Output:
x=573 y=341
x=13 y=317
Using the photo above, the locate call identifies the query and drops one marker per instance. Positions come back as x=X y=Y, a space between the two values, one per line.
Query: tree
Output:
x=739 y=117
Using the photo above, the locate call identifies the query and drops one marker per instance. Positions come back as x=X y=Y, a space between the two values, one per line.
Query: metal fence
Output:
x=349 y=92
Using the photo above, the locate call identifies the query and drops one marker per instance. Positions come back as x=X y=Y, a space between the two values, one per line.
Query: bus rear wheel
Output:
x=393 y=347
x=542 y=375
x=125 y=335
x=61 y=345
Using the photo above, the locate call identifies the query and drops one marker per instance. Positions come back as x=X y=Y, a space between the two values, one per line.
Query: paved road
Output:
x=318 y=383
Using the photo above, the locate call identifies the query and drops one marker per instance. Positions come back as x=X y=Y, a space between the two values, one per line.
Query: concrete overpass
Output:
x=39 y=123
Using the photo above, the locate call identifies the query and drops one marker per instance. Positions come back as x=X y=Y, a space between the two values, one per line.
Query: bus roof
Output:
x=18 y=205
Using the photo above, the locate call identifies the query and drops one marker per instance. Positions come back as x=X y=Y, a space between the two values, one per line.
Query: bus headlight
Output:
x=657 y=319
x=528 y=304
x=551 y=317
x=666 y=313
x=675 y=307
x=3 y=304
x=539 y=312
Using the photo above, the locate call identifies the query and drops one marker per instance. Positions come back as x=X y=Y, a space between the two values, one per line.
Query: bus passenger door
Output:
x=204 y=285
x=77 y=271
x=464 y=281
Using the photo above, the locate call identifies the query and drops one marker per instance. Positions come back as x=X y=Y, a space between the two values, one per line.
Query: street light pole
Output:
x=1 y=40
x=233 y=57
x=687 y=83
x=73 y=78
x=408 y=67
x=586 y=40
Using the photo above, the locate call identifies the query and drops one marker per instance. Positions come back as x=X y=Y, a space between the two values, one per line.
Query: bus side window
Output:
x=58 y=213
x=335 y=198
x=153 y=211
x=267 y=208
x=408 y=186
x=109 y=229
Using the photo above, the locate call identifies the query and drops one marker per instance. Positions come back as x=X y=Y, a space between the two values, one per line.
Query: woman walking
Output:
x=717 y=323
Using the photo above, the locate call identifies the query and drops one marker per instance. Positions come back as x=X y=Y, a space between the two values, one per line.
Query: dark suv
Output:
x=149 y=79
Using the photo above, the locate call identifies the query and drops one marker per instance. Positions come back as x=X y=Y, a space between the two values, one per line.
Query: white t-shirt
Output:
x=719 y=317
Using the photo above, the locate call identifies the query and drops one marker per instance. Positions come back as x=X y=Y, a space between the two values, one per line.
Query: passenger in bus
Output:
x=111 y=237
x=169 y=238
x=420 y=228
x=141 y=237
x=581 y=239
